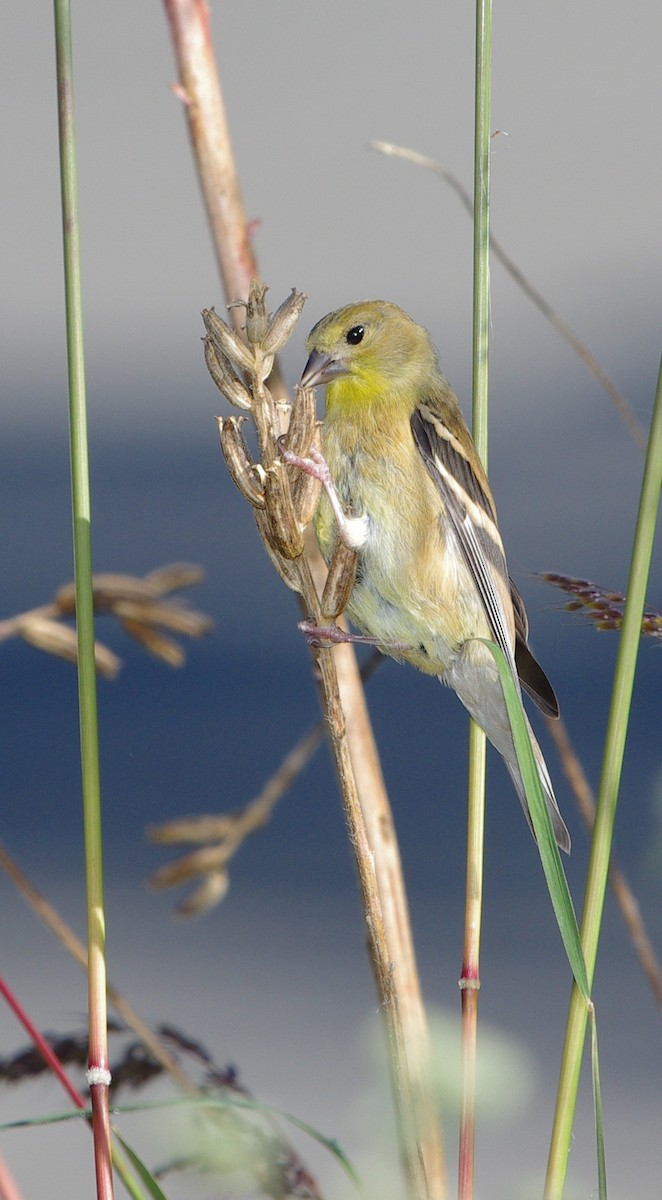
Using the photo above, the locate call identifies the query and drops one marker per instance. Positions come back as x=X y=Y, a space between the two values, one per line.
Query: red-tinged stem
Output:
x=8 y=1186
x=42 y=1045
x=469 y=984
x=470 y=978
x=103 y=1165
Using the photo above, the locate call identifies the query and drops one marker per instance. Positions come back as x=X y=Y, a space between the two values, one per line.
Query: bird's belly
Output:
x=417 y=600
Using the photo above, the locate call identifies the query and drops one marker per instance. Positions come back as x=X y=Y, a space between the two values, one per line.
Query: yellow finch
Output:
x=405 y=487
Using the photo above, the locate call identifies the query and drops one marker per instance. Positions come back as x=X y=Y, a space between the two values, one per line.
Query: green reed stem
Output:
x=470 y=980
x=80 y=488
x=607 y=798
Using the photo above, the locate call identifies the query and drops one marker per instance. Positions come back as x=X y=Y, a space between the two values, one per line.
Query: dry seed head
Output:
x=155 y=642
x=209 y=828
x=224 y=377
x=287 y=570
x=190 y=866
x=602 y=607
x=244 y=473
x=340 y=580
x=305 y=497
x=173 y=577
x=227 y=342
x=212 y=890
x=303 y=422
x=107 y=589
x=256 y=313
x=185 y=621
x=283 y=321
x=60 y=640
x=285 y=527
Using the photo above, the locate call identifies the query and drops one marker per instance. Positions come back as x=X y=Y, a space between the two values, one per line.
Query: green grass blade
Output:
x=141 y=1170
x=557 y=884
x=597 y=1106
x=607 y=797
x=205 y=1102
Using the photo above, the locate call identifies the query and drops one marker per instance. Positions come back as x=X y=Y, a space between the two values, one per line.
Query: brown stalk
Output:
x=370 y=829
x=351 y=733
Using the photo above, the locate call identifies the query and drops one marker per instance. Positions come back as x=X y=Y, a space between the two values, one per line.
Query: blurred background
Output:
x=276 y=980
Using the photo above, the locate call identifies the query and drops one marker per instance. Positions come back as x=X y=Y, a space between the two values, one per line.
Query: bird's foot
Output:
x=317 y=635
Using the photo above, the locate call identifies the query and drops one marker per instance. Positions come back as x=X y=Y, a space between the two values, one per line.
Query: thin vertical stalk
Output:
x=475 y=837
x=598 y=870
x=98 y=1074
x=470 y=980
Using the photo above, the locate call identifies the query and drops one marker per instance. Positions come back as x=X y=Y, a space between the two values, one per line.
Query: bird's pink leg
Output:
x=352 y=530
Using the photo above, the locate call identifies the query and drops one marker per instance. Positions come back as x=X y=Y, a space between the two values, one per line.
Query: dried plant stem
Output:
x=200 y=91
x=396 y=980
x=213 y=155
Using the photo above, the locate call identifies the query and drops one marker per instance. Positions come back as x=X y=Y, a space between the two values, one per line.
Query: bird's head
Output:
x=368 y=348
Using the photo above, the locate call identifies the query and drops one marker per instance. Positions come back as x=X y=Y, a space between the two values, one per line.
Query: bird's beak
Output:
x=320 y=369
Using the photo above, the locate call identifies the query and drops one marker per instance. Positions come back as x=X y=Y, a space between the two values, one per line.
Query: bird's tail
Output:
x=480 y=691
x=558 y=824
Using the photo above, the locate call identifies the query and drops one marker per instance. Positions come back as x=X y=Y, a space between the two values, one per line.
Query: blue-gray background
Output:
x=276 y=980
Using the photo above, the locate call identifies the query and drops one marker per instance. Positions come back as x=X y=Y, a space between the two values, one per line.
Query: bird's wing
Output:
x=471 y=513
x=532 y=677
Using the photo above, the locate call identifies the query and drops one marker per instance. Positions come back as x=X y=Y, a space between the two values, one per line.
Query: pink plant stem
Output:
x=42 y=1045
x=99 y=1095
x=469 y=985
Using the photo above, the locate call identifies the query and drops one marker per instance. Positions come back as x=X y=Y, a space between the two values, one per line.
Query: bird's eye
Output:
x=355 y=335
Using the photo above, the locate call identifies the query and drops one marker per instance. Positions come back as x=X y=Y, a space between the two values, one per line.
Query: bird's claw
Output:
x=313 y=464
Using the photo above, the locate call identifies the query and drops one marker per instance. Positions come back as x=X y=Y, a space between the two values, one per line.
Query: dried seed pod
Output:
x=283 y=321
x=266 y=362
x=303 y=422
x=164 y=615
x=107 y=590
x=226 y=340
x=243 y=472
x=154 y=641
x=211 y=828
x=256 y=313
x=60 y=640
x=287 y=569
x=173 y=577
x=305 y=498
x=305 y=488
x=339 y=581
x=285 y=528
x=211 y=891
x=189 y=866
x=224 y=377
